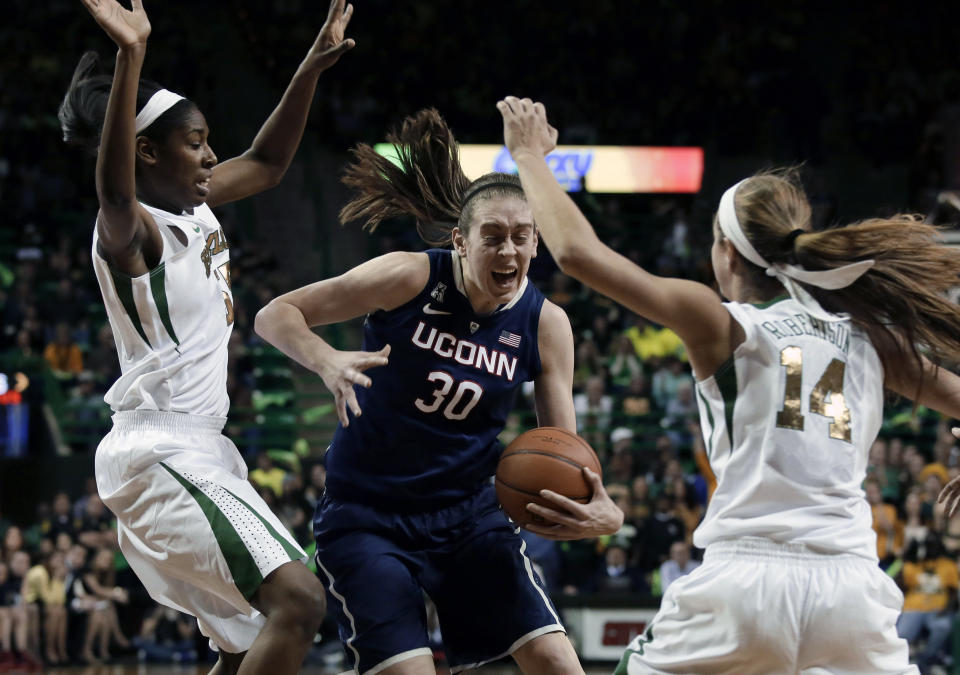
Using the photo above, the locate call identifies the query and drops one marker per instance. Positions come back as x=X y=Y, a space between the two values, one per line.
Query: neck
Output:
x=150 y=197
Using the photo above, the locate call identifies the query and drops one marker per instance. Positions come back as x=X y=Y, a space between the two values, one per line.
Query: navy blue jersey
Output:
x=428 y=433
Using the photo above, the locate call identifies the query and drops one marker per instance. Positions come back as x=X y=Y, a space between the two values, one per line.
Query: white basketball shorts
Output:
x=759 y=606
x=192 y=527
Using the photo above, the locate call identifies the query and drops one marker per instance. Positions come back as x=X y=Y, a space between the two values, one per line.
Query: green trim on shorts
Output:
x=628 y=652
x=289 y=548
x=246 y=574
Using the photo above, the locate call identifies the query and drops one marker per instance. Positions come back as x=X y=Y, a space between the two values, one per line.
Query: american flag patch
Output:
x=508 y=338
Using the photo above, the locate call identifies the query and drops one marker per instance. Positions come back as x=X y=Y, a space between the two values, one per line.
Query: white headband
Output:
x=788 y=275
x=158 y=104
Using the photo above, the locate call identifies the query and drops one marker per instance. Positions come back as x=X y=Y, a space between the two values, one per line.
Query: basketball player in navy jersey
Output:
x=409 y=506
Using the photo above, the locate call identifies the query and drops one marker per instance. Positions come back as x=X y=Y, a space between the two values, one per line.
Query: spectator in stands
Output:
x=102 y=358
x=623 y=365
x=915 y=524
x=636 y=403
x=888 y=527
x=166 y=636
x=640 y=498
x=651 y=341
x=12 y=543
x=685 y=505
x=45 y=596
x=658 y=532
x=8 y=598
x=19 y=565
x=63 y=354
x=588 y=364
x=102 y=623
x=294 y=509
x=593 y=406
x=96 y=528
x=677 y=566
x=60 y=521
x=318 y=480
x=601 y=333
x=615 y=575
x=930 y=583
x=267 y=474
x=667 y=380
x=620 y=461
x=682 y=408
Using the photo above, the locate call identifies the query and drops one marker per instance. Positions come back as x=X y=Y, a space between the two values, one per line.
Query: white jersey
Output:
x=171 y=325
x=788 y=423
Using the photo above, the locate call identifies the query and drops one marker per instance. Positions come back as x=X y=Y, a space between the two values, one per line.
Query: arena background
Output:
x=864 y=98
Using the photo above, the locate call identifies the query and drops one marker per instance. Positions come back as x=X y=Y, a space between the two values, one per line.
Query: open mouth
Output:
x=204 y=186
x=504 y=278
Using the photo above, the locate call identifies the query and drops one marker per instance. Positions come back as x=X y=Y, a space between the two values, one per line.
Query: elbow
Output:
x=262 y=322
x=570 y=259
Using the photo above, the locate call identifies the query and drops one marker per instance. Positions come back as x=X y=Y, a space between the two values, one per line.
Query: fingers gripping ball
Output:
x=548 y=458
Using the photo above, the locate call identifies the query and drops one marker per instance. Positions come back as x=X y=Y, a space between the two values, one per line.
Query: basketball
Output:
x=548 y=458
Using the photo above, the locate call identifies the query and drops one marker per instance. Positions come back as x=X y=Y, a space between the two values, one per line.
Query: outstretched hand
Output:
x=525 y=127
x=950 y=494
x=330 y=44
x=344 y=370
x=126 y=27
x=573 y=520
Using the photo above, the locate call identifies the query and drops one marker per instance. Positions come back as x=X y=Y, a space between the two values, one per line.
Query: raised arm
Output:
x=122 y=224
x=383 y=283
x=268 y=158
x=691 y=309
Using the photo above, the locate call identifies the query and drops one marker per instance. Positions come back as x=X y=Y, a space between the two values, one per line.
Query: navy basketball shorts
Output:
x=376 y=566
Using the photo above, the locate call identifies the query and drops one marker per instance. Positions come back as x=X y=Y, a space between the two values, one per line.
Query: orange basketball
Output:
x=548 y=458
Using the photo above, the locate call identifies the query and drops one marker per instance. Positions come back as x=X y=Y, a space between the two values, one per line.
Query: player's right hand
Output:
x=525 y=127
x=126 y=27
x=344 y=370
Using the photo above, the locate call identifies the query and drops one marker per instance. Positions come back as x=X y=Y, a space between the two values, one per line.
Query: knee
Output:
x=298 y=599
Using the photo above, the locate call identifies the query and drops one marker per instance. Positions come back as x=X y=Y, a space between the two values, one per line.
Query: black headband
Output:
x=501 y=184
x=791 y=239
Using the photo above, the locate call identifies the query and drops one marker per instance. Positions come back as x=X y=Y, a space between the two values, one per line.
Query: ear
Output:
x=536 y=242
x=730 y=254
x=146 y=150
x=459 y=239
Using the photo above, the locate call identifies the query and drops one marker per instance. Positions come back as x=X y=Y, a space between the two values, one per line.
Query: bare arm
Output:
x=553 y=388
x=268 y=158
x=383 y=283
x=691 y=309
x=122 y=225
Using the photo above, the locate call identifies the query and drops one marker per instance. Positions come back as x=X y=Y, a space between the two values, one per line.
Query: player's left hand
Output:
x=573 y=520
x=950 y=494
x=330 y=44
x=525 y=127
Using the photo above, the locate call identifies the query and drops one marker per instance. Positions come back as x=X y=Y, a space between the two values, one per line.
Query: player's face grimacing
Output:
x=179 y=170
x=496 y=252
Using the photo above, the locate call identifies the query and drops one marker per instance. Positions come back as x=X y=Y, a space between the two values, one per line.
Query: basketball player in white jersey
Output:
x=191 y=526
x=790 y=379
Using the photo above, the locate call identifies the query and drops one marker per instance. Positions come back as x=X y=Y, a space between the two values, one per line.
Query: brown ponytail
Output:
x=900 y=302
x=429 y=183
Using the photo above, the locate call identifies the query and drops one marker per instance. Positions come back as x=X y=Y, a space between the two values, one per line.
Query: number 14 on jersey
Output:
x=826 y=398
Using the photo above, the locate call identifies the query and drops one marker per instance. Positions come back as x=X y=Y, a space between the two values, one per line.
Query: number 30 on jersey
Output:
x=459 y=405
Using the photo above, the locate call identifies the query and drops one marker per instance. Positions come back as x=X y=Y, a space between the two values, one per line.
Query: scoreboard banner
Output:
x=596 y=168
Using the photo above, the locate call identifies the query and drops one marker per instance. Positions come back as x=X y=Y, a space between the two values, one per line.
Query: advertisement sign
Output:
x=596 y=168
